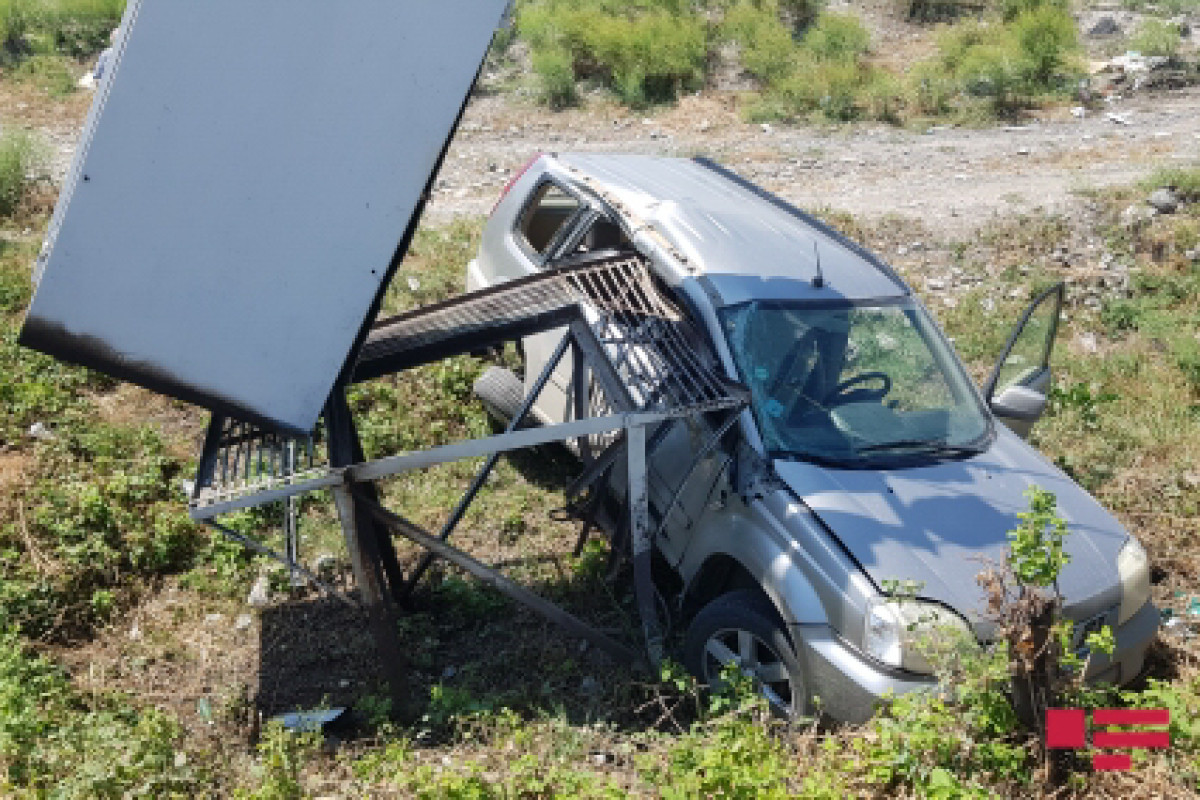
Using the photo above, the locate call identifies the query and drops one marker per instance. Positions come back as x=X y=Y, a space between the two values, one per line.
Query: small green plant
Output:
x=1156 y=37
x=1081 y=399
x=282 y=755
x=22 y=157
x=556 y=71
x=646 y=53
x=1036 y=554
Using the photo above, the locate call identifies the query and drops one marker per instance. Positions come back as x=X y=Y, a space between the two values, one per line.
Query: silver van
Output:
x=866 y=455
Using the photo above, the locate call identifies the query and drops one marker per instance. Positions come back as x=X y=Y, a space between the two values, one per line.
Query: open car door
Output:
x=1019 y=387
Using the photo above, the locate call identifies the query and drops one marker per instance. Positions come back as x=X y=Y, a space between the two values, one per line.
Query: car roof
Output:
x=748 y=243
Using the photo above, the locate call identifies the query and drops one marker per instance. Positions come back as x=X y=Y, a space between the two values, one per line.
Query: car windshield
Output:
x=853 y=384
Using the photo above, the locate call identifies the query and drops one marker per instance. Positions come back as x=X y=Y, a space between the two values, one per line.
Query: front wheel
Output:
x=743 y=629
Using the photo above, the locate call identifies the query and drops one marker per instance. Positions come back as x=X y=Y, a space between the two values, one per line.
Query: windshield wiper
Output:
x=936 y=446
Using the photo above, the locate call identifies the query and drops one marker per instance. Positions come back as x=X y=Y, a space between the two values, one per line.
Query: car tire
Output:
x=501 y=393
x=743 y=627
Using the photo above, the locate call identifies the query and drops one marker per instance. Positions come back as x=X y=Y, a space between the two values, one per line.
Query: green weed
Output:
x=54 y=743
x=645 y=53
x=282 y=755
x=22 y=159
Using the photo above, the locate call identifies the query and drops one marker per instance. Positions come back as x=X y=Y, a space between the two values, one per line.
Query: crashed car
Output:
x=866 y=455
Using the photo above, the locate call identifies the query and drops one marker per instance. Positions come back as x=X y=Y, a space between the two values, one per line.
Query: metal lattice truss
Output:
x=643 y=360
x=636 y=365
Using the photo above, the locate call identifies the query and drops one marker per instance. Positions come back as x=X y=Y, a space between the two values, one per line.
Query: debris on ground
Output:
x=260 y=592
x=1105 y=26
x=1163 y=200
x=308 y=721
x=40 y=432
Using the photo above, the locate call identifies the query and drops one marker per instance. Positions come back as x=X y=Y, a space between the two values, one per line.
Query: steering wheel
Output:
x=841 y=393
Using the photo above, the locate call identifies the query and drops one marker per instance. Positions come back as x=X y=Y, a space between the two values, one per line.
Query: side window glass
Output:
x=1030 y=351
x=551 y=209
x=604 y=234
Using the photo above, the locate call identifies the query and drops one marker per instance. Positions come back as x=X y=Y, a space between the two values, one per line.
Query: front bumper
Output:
x=1129 y=656
x=848 y=686
x=842 y=682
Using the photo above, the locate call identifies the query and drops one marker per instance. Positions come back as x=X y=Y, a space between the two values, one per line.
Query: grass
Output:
x=94 y=545
x=21 y=162
x=808 y=63
x=512 y=721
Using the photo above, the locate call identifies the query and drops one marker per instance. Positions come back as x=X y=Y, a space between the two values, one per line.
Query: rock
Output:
x=1105 y=26
x=260 y=592
x=988 y=305
x=1120 y=119
x=765 y=127
x=1079 y=112
x=243 y=622
x=40 y=432
x=1087 y=342
x=935 y=284
x=1136 y=216
x=326 y=565
x=413 y=283
x=211 y=618
x=1022 y=151
x=1192 y=255
x=1163 y=200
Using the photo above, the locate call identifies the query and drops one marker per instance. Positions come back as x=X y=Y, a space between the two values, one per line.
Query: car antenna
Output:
x=819 y=279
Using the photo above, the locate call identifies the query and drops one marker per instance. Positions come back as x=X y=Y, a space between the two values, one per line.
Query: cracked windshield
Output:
x=853 y=383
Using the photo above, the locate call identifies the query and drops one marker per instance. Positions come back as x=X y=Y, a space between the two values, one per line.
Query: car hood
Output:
x=942 y=524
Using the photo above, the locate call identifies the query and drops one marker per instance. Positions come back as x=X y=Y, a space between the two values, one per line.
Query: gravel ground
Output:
x=953 y=179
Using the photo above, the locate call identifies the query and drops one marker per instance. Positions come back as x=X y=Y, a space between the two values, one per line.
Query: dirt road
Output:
x=954 y=179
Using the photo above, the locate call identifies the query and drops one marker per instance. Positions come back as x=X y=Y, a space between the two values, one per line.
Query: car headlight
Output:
x=1133 y=567
x=900 y=633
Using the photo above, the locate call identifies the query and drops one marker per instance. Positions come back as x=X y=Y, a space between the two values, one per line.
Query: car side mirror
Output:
x=1019 y=407
x=1019 y=386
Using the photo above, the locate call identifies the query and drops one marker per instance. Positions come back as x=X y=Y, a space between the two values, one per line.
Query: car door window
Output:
x=1028 y=355
x=551 y=209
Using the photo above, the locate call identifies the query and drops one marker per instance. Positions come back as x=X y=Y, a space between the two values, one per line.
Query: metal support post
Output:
x=642 y=546
x=482 y=475
x=499 y=582
x=363 y=538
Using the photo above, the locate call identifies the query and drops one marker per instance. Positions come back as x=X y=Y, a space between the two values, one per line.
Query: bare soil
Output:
x=953 y=179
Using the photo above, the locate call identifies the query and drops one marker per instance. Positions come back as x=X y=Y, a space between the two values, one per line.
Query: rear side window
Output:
x=551 y=209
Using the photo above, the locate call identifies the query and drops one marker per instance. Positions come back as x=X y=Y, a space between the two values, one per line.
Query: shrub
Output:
x=1011 y=9
x=21 y=158
x=837 y=37
x=1154 y=37
x=767 y=48
x=75 y=28
x=557 y=76
x=646 y=52
x=799 y=14
x=1004 y=62
x=1047 y=39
